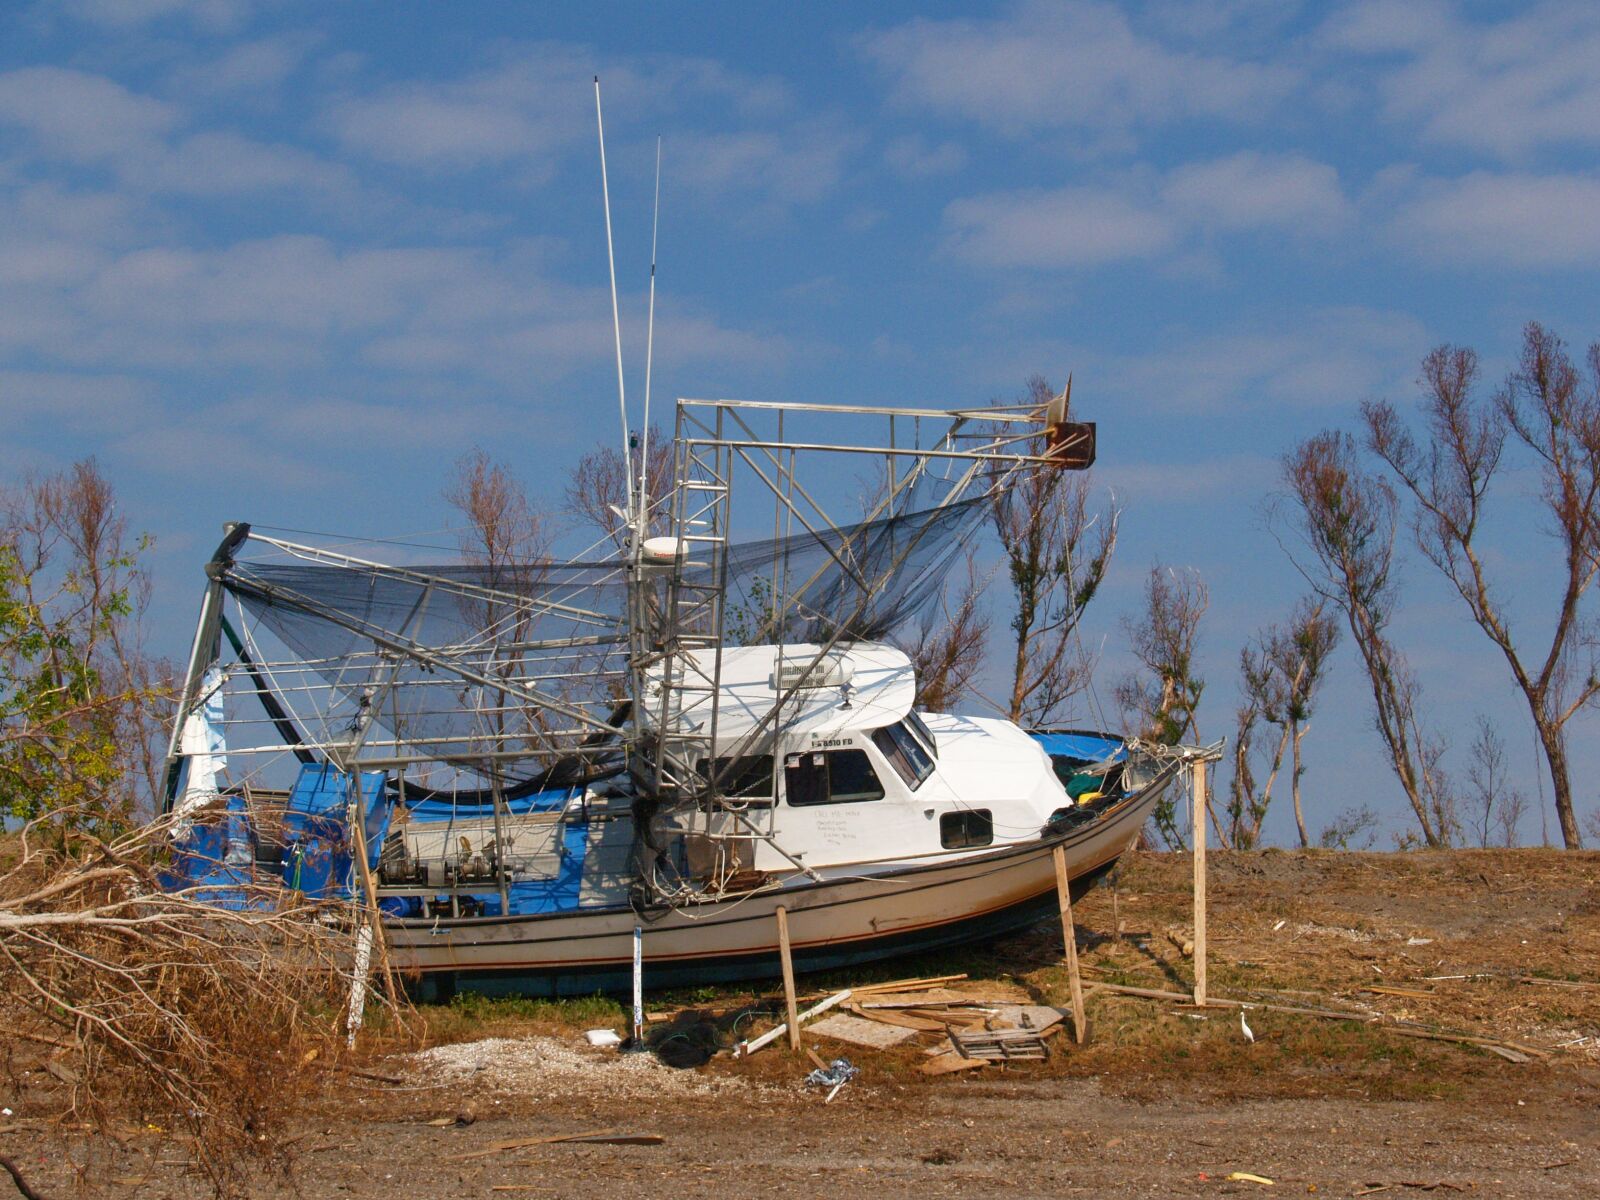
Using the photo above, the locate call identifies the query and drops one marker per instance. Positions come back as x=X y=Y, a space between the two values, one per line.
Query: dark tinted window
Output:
x=972 y=828
x=747 y=777
x=830 y=777
x=905 y=754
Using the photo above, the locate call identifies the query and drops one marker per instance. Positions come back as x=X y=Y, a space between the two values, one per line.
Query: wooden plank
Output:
x=1199 y=806
x=1034 y=1017
x=844 y=1028
x=1069 y=934
x=900 y=1019
x=908 y=985
x=961 y=1018
x=788 y=979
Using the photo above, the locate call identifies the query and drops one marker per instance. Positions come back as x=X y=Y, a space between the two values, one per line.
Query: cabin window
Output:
x=924 y=734
x=905 y=754
x=830 y=777
x=745 y=777
x=974 y=827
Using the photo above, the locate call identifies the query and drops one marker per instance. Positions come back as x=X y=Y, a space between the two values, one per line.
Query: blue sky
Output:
x=285 y=261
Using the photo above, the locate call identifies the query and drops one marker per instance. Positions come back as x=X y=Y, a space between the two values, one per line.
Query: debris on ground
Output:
x=834 y=1076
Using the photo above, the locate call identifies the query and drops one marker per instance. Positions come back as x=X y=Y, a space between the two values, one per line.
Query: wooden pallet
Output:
x=1003 y=1045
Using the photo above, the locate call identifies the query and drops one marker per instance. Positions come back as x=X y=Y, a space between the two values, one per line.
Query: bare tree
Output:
x=597 y=490
x=1554 y=412
x=1281 y=674
x=1163 y=702
x=80 y=711
x=948 y=649
x=1057 y=547
x=1347 y=519
x=1497 y=806
x=504 y=533
x=505 y=538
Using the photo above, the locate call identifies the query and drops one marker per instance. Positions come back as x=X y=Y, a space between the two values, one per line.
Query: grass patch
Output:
x=469 y=1016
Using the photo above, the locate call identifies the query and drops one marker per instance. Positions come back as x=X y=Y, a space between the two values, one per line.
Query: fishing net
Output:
x=524 y=665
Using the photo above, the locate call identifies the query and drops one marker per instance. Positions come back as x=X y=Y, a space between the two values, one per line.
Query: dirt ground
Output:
x=1164 y=1100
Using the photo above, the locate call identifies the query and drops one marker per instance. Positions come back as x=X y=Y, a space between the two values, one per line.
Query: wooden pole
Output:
x=1198 y=804
x=372 y=914
x=788 y=979
x=1116 y=904
x=1069 y=936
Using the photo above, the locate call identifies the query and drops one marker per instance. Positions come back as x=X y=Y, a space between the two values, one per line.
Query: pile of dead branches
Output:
x=158 y=1007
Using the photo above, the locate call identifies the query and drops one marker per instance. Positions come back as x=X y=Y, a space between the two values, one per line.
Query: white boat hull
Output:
x=835 y=923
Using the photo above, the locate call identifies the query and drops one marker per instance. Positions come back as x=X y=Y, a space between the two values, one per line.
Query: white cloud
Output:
x=1327 y=358
x=84 y=402
x=799 y=164
x=1051 y=65
x=917 y=158
x=293 y=304
x=254 y=66
x=1141 y=217
x=1250 y=190
x=1507 y=86
x=214 y=15
x=80 y=117
x=1192 y=481
x=1523 y=221
x=1070 y=227
x=220 y=164
x=528 y=110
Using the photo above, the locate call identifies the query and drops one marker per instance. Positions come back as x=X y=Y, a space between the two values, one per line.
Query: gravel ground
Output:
x=1161 y=1102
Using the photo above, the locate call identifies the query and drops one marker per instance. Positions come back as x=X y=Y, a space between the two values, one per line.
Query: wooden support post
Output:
x=1116 y=904
x=1198 y=798
x=1069 y=936
x=372 y=915
x=788 y=979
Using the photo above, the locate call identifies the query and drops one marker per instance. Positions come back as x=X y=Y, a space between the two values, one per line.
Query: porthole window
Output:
x=973 y=827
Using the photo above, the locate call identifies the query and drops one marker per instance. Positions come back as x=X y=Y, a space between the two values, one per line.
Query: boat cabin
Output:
x=829 y=768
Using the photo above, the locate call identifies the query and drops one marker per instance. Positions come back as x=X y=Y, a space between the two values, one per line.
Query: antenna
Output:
x=649 y=355
x=616 y=319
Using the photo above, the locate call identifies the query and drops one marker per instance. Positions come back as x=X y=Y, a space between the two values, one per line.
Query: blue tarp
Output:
x=560 y=893
x=553 y=800
x=1090 y=747
x=216 y=856
x=316 y=843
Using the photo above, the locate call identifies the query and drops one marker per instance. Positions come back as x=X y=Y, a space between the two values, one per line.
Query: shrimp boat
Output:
x=524 y=772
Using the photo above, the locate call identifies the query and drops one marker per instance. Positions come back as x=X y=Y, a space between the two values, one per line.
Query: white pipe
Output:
x=772 y=1035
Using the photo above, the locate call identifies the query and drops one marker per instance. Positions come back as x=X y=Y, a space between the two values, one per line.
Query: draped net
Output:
x=525 y=664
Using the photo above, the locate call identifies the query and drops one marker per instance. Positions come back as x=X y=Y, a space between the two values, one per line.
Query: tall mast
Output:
x=649 y=358
x=616 y=318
